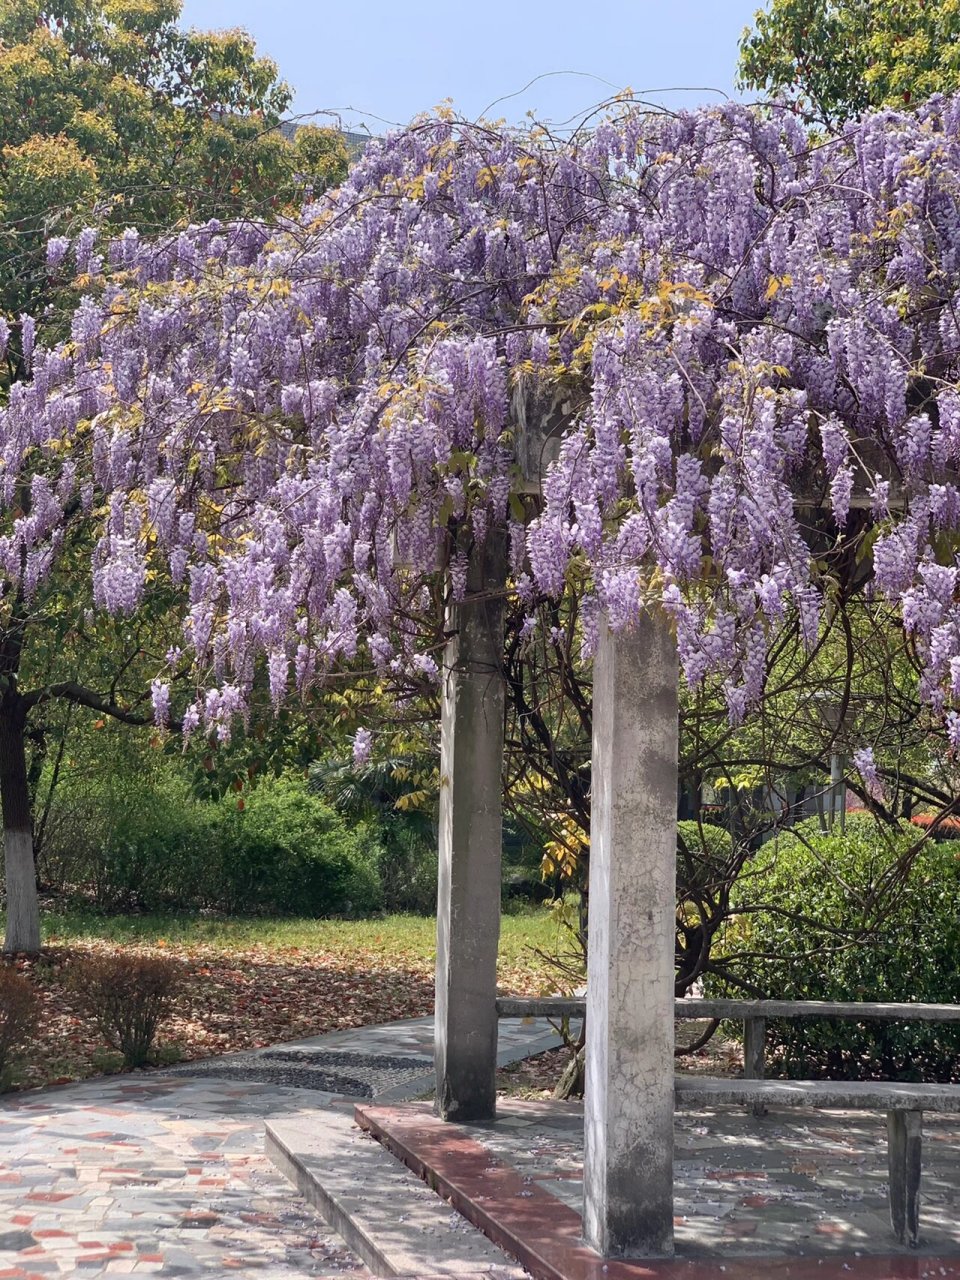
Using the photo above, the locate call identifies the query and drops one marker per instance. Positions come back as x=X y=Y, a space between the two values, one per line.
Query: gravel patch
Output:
x=356 y=1075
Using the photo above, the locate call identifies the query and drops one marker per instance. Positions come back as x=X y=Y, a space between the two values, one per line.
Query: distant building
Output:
x=355 y=142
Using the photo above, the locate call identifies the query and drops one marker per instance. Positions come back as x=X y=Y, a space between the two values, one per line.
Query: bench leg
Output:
x=903 y=1155
x=754 y=1068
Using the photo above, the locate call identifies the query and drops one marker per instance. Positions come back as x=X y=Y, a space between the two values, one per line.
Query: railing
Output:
x=752 y=1013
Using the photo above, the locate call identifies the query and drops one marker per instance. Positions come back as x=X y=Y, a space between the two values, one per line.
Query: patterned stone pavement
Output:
x=163 y=1173
x=140 y=1174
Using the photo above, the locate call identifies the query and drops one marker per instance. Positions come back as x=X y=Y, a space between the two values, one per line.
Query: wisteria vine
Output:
x=299 y=425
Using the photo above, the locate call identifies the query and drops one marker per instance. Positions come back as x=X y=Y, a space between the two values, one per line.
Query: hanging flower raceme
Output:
x=297 y=427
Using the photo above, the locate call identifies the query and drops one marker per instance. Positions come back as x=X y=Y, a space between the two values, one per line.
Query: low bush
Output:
x=145 y=842
x=702 y=851
x=160 y=849
x=18 y=1019
x=128 y=996
x=406 y=861
x=124 y=826
x=817 y=925
x=703 y=858
x=287 y=851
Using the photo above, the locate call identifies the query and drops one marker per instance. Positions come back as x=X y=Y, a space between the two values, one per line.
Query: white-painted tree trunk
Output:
x=20 y=877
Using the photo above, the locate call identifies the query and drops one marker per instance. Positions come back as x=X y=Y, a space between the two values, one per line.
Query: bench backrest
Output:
x=689 y=1007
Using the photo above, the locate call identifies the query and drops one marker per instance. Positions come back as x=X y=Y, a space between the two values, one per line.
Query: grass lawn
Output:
x=409 y=936
x=250 y=982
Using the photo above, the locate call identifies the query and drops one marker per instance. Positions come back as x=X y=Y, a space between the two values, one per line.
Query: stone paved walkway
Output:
x=164 y=1173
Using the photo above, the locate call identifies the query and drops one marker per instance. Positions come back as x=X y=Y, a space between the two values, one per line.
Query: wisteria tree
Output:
x=115 y=115
x=301 y=440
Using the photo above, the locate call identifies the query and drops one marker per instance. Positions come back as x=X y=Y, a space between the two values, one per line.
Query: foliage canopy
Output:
x=836 y=59
x=741 y=347
x=751 y=343
x=113 y=117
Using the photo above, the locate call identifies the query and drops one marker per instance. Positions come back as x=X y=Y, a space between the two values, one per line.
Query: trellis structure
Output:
x=628 y=1121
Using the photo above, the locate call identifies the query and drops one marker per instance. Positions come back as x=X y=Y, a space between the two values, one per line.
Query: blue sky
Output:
x=383 y=61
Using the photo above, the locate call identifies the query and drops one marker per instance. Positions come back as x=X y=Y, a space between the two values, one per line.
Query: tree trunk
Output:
x=570 y=1084
x=573 y=1076
x=23 y=906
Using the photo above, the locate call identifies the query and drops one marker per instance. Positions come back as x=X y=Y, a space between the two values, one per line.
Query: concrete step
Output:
x=386 y=1215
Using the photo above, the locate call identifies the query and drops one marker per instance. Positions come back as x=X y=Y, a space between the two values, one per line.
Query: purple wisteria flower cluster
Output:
x=298 y=426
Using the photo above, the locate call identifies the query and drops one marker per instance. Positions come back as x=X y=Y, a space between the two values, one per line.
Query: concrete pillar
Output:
x=628 y=1105
x=468 y=898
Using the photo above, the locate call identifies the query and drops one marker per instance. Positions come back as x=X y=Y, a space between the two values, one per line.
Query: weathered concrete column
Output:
x=468 y=896
x=628 y=1107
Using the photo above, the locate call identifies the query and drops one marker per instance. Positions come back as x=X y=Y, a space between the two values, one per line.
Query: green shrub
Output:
x=128 y=996
x=139 y=838
x=704 y=840
x=818 y=933
x=702 y=854
x=139 y=847
x=406 y=861
x=287 y=851
x=160 y=850
x=124 y=826
x=18 y=1019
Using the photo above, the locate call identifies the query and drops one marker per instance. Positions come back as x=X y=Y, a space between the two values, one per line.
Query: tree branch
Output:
x=83 y=697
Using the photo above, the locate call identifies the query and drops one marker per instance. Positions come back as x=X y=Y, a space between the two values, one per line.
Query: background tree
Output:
x=112 y=114
x=858 y=685
x=836 y=59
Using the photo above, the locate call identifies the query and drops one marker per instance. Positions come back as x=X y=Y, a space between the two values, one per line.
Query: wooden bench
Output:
x=903 y=1103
